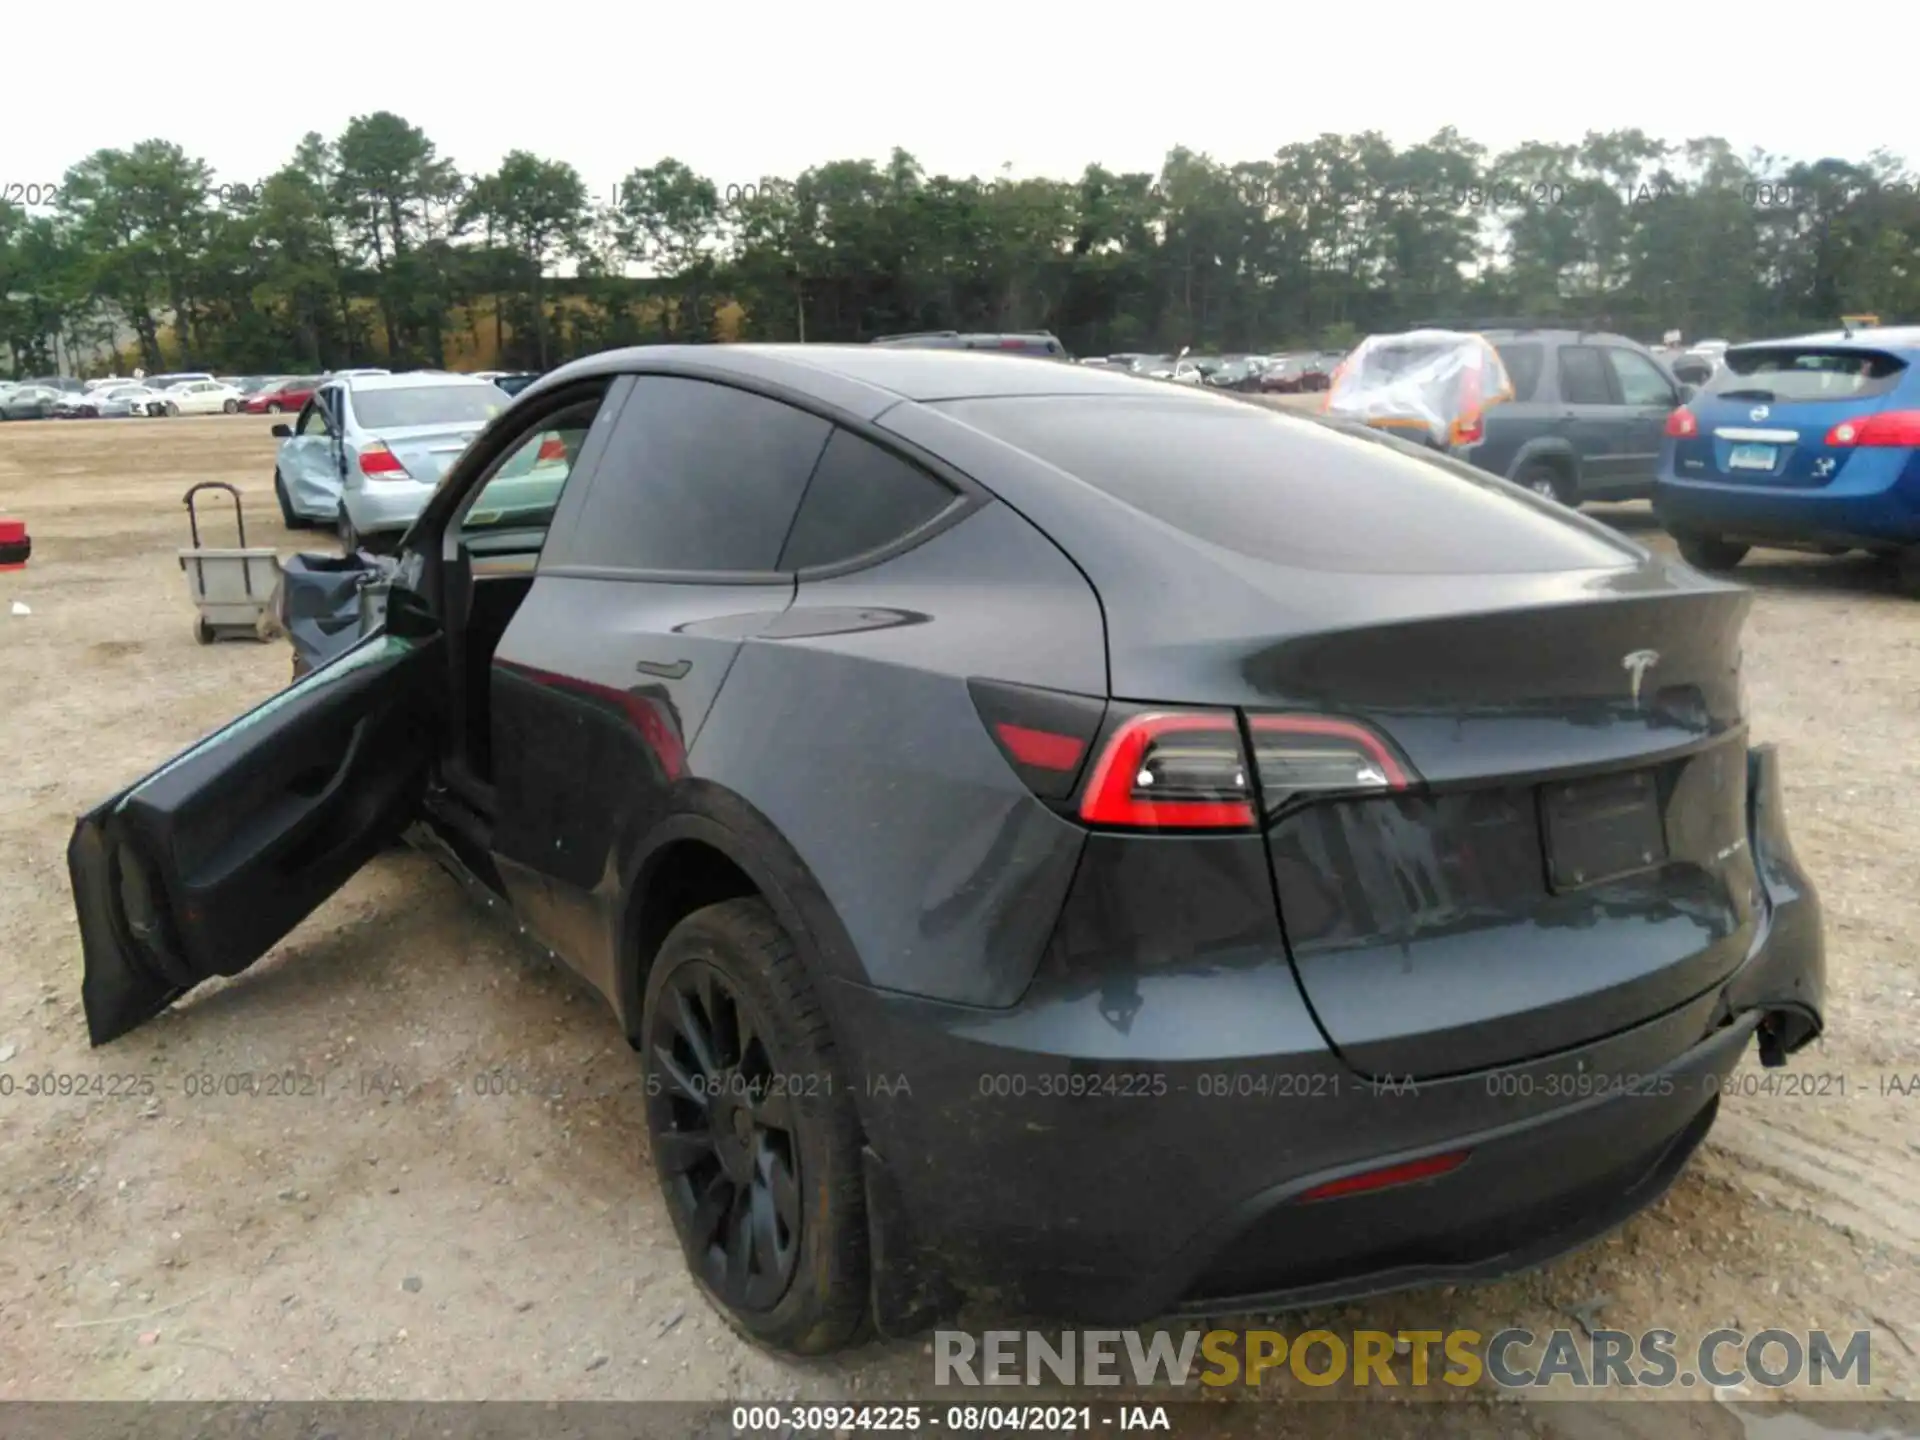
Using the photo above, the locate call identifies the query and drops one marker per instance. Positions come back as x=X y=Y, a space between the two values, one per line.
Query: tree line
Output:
x=373 y=247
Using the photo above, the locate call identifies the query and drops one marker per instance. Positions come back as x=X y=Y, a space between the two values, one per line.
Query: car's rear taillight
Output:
x=377 y=462
x=1890 y=428
x=1297 y=756
x=1167 y=770
x=552 y=451
x=1682 y=424
x=1471 y=426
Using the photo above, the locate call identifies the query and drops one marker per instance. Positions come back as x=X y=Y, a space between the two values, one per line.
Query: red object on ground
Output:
x=15 y=547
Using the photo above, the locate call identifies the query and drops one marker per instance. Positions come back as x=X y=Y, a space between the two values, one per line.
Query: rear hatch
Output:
x=1568 y=856
x=1498 y=751
x=1769 y=416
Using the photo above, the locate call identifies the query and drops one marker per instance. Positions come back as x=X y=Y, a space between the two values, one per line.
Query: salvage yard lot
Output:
x=453 y=1201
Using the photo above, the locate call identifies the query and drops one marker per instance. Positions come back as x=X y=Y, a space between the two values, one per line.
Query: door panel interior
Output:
x=199 y=868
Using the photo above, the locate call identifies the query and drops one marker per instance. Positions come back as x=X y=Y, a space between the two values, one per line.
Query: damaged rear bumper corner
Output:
x=1785 y=976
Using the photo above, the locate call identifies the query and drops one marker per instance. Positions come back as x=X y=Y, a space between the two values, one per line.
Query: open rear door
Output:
x=199 y=868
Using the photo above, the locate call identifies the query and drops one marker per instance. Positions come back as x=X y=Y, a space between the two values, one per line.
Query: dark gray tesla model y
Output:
x=1114 y=844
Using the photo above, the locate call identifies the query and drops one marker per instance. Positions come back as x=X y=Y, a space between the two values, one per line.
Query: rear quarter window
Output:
x=1300 y=491
x=1790 y=373
x=861 y=499
x=1524 y=364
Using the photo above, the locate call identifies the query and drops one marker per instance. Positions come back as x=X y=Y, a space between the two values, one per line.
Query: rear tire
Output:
x=1906 y=571
x=1547 y=481
x=1710 y=552
x=202 y=631
x=730 y=1013
x=232 y=407
x=293 y=519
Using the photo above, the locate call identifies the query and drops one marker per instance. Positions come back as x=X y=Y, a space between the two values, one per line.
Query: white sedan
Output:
x=202 y=397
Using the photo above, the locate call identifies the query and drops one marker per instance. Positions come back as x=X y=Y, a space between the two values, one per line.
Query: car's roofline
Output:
x=411 y=380
x=854 y=378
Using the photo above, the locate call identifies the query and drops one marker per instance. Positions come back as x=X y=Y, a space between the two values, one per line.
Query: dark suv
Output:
x=1587 y=417
x=1107 y=847
x=1029 y=342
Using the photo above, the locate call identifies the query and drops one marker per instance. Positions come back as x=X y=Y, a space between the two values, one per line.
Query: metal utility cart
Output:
x=233 y=589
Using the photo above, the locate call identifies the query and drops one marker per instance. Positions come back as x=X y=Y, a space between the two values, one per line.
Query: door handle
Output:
x=665 y=669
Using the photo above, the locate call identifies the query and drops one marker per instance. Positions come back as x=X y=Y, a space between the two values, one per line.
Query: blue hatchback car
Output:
x=1810 y=443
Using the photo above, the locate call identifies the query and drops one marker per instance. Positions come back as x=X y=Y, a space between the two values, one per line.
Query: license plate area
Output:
x=1753 y=457
x=1600 y=829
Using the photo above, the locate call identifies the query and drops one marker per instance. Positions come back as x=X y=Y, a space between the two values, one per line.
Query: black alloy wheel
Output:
x=724 y=1134
x=753 y=1130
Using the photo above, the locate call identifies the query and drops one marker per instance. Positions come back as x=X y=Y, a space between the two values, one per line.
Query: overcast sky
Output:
x=738 y=91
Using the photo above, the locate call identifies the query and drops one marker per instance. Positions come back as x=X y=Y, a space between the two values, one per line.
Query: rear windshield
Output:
x=1298 y=490
x=427 y=405
x=1799 y=372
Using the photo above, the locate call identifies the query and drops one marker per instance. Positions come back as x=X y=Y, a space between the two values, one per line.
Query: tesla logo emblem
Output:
x=1637 y=664
x=1759 y=412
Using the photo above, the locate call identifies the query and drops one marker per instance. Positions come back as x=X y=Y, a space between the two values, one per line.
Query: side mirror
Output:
x=283 y=432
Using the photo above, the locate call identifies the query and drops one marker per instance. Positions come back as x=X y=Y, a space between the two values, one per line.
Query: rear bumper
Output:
x=1866 y=506
x=1143 y=1146
x=386 y=505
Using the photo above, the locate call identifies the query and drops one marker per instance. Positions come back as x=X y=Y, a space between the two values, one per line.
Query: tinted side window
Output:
x=698 y=476
x=861 y=498
x=1524 y=363
x=1583 y=376
x=1640 y=382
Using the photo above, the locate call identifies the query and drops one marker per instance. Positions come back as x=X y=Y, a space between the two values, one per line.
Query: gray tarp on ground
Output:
x=320 y=603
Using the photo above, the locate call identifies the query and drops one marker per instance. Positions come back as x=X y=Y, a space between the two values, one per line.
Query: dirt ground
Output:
x=414 y=1233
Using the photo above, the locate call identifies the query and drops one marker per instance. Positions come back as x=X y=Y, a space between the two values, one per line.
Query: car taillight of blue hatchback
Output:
x=1810 y=443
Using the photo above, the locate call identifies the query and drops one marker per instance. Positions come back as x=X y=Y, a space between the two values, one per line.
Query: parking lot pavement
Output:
x=444 y=1192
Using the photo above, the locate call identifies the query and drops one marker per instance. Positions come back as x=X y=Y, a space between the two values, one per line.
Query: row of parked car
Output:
x=1284 y=374
x=62 y=397
x=1808 y=442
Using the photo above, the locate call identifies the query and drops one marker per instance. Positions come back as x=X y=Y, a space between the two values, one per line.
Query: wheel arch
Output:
x=716 y=846
x=1549 y=450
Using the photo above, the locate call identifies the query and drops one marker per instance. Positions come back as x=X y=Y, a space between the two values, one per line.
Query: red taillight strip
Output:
x=1375 y=747
x=1681 y=424
x=1386 y=1177
x=1891 y=428
x=1109 y=796
x=1041 y=749
x=378 y=462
